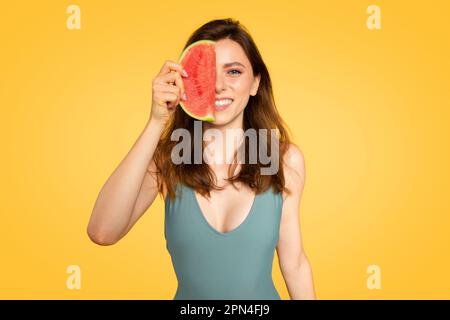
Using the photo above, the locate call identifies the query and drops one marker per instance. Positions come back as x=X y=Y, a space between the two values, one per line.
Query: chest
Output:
x=239 y=221
x=226 y=209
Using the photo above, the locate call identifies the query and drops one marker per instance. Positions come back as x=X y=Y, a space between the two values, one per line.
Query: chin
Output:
x=220 y=121
x=224 y=117
x=227 y=116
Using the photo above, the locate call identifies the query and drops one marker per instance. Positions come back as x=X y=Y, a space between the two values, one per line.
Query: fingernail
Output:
x=184 y=96
x=185 y=73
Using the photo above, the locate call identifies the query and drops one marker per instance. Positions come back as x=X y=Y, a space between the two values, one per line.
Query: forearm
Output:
x=299 y=281
x=114 y=204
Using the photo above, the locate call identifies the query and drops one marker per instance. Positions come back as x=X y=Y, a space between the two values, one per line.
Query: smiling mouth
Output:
x=222 y=104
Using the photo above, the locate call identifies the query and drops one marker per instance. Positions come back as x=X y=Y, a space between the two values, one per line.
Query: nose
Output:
x=220 y=82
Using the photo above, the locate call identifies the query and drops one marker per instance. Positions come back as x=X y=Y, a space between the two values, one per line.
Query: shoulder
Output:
x=294 y=168
x=294 y=160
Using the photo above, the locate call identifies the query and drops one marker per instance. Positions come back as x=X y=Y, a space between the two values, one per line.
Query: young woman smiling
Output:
x=223 y=220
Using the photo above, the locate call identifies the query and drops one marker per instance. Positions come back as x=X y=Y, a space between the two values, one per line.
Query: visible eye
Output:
x=238 y=72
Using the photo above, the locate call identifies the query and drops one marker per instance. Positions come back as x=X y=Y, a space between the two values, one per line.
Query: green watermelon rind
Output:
x=208 y=118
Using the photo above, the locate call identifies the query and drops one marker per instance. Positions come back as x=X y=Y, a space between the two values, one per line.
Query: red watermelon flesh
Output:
x=199 y=60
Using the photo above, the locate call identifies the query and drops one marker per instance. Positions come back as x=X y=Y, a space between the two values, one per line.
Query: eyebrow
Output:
x=226 y=65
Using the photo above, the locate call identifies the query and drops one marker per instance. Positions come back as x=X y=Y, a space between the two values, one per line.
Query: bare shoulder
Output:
x=294 y=168
x=294 y=160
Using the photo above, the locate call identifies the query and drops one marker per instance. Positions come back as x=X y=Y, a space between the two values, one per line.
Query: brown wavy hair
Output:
x=260 y=113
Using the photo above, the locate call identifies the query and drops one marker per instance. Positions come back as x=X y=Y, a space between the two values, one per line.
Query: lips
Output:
x=223 y=106
x=223 y=98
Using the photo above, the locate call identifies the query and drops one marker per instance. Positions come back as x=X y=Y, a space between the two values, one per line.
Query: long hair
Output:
x=260 y=113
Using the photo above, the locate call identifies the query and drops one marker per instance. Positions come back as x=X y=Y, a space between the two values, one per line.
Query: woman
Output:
x=223 y=217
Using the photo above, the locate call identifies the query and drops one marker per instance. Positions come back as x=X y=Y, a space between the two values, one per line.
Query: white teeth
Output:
x=223 y=102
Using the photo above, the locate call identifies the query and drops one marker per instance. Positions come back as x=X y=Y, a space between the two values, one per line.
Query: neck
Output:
x=222 y=144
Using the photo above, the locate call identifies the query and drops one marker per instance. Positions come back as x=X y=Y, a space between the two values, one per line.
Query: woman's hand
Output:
x=167 y=90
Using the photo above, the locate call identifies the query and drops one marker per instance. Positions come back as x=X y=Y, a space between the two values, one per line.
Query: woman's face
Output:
x=235 y=80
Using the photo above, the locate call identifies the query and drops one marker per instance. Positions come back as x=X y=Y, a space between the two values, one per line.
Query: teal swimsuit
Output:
x=213 y=265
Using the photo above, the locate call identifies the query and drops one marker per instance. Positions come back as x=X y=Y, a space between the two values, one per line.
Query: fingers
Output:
x=171 y=72
x=177 y=91
x=170 y=65
x=172 y=77
x=170 y=98
x=179 y=83
x=165 y=87
x=168 y=93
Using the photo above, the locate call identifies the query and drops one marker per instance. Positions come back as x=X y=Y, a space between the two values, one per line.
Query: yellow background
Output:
x=368 y=108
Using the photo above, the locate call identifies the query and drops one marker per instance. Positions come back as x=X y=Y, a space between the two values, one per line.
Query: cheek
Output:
x=241 y=86
x=241 y=103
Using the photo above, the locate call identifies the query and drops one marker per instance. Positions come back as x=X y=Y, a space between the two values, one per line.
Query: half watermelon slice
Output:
x=199 y=60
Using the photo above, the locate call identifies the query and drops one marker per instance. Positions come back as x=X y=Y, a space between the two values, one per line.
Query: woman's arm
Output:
x=294 y=264
x=131 y=189
x=115 y=204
